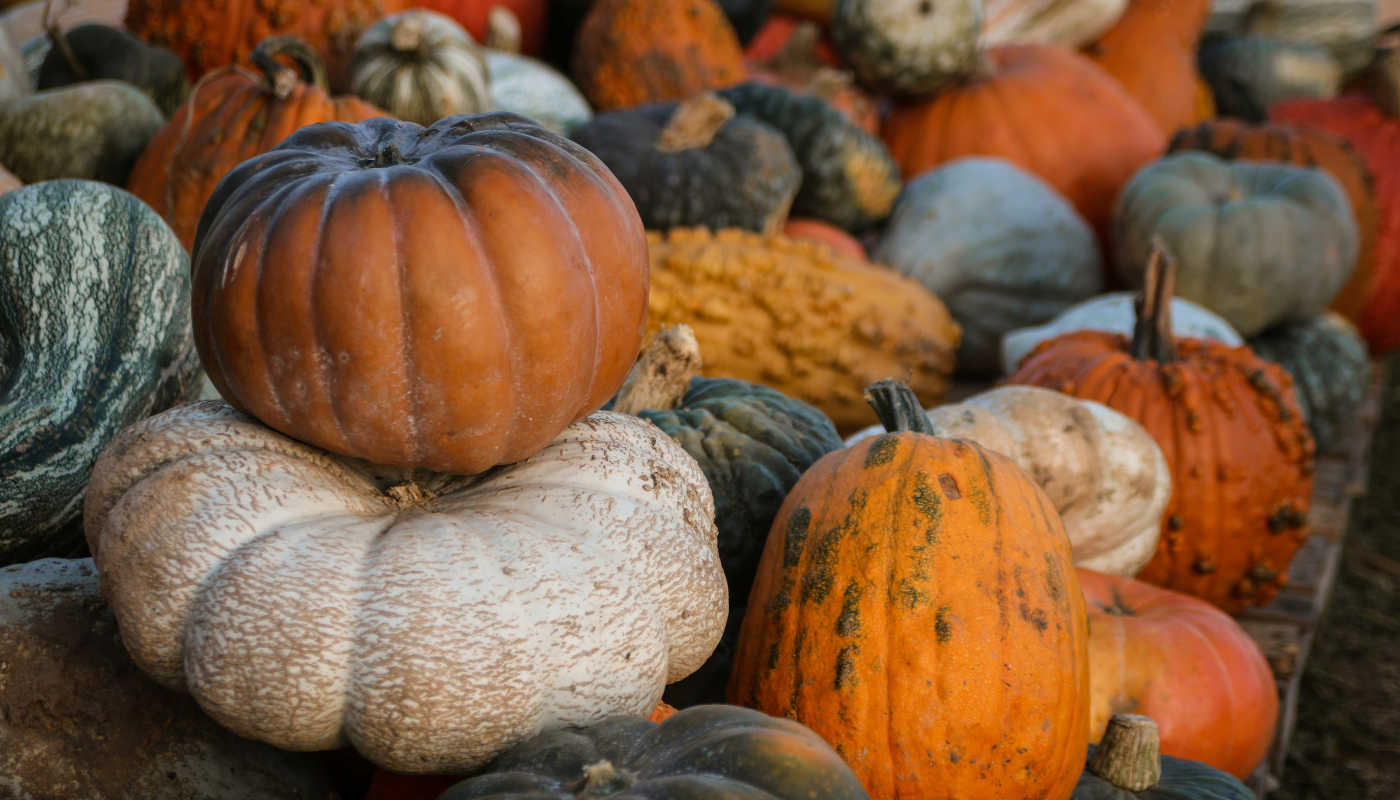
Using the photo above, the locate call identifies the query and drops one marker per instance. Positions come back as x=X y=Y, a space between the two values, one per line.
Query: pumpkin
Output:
x=1231 y=430
x=848 y=176
x=1045 y=22
x=1184 y=663
x=706 y=753
x=696 y=164
x=532 y=17
x=631 y=52
x=1327 y=359
x=100 y=52
x=747 y=16
x=1249 y=74
x=798 y=67
x=779 y=30
x=907 y=47
x=880 y=591
x=1370 y=126
x=516 y=307
x=1257 y=243
x=999 y=246
x=826 y=233
x=437 y=620
x=208 y=34
x=1099 y=137
x=1114 y=313
x=522 y=85
x=1103 y=471
x=14 y=75
x=94 y=131
x=796 y=316
x=1151 y=52
x=1129 y=765
x=1232 y=139
x=421 y=66
x=97 y=336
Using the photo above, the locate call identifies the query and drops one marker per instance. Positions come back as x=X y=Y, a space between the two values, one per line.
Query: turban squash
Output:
x=917 y=608
x=1231 y=430
x=1327 y=359
x=435 y=621
x=421 y=66
x=516 y=305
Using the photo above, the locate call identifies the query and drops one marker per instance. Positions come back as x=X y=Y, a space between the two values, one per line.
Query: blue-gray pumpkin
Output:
x=94 y=335
x=1257 y=243
x=1327 y=358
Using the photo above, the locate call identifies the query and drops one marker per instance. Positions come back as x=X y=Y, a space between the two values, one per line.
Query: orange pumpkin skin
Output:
x=774 y=35
x=1045 y=109
x=233 y=117
x=448 y=298
x=630 y=52
x=826 y=233
x=1232 y=139
x=1240 y=453
x=916 y=607
x=1185 y=664
x=1151 y=51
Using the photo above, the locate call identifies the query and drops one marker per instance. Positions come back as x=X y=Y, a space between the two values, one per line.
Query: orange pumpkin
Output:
x=1232 y=139
x=474 y=15
x=232 y=116
x=1151 y=51
x=826 y=233
x=1231 y=430
x=916 y=607
x=1184 y=663
x=449 y=298
x=630 y=52
x=1045 y=109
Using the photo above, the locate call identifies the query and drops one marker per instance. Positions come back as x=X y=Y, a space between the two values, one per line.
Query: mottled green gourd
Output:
x=1327 y=358
x=94 y=130
x=100 y=52
x=1128 y=765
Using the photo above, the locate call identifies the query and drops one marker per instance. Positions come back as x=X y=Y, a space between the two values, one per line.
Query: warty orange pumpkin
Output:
x=916 y=606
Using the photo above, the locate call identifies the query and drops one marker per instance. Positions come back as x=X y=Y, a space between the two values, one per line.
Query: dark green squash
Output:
x=100 y=52
x=1328 y=361
x=848 y=176
x=696 y=165
x=1249 y=74
x=703 y=753
x=94 y=335
x=93 y=130
x=747 y=16
x=1130 y=755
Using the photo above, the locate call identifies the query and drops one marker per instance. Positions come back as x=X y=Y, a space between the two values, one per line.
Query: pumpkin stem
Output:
x=407 y=34
x=660 y=378
x=503 y=30
x=1152 y=335
x=390 y=156
x=406 y=495
x=57 y=39
x=897 y=407
x=695 y=123
x=602 y=779
x=1385 y=68
x=281 y=80
x=1129 y=755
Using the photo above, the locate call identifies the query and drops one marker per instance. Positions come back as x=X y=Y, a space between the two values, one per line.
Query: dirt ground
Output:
x=1347 y=741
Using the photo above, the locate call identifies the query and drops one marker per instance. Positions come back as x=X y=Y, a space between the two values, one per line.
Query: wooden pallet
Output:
x=1286 y=627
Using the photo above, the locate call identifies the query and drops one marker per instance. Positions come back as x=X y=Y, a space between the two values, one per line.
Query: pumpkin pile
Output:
x=449 y=397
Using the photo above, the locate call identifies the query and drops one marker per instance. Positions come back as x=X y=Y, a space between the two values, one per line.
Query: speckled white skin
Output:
x=1103 y=471
x=908 y=47
x=302 y=605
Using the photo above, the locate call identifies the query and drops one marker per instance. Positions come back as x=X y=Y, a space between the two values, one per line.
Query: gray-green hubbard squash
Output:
x=93 y=130
x=1328 y=361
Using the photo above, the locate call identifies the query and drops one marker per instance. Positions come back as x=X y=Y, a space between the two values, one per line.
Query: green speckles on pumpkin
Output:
x=926 y=500
x=882 y=451
x=909 y=595
x=846 y=666
x=848 y=623
x=942 y=628
x=797 y=524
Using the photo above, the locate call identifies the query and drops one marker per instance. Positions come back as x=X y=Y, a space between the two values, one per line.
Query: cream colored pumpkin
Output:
x=1103 y=471
x=1072 y=24
x=313 y=601
x=421 y=66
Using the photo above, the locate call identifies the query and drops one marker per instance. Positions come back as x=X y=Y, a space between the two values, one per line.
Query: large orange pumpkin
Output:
x=1184 y=663
x=1231 y=430
x=1045 y=109
x=1234 y=139
x=1371 y=124
x=1151 y=51
x=630 y=52
x=916 y=607
x=231 y=117
x=449 y=298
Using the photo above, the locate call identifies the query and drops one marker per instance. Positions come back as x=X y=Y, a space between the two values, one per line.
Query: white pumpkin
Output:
x=313 y=601
x=421 y=66
x=1114 y=313
x=531 y=88
x=1072 y=24
x=1103 y=471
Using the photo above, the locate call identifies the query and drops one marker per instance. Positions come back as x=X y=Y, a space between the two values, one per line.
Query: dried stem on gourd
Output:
x=282 y=81
x=695 y=123
x=1152 y=334
x=898 y=407
x=407 y=34
x=1130 y=754
x=57 y=39
x=600 y=780
x=503 y=30
x=660 y=378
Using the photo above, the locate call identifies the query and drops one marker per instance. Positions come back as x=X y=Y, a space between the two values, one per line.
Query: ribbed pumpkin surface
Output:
x=916 y=606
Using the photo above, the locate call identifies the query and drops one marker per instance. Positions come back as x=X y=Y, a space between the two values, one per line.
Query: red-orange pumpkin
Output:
x=233 y=116
x=826 y=233
x=1045 y=109
x=1151 y=51
x=1184 y=663
x=449 y=298
x=474 y=15
x=916 y=607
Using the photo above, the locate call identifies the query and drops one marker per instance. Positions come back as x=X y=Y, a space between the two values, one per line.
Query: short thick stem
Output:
x=898 y=407
x=695 y=123
x=602 y=779
x=1130 y=754
x=662 y=375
